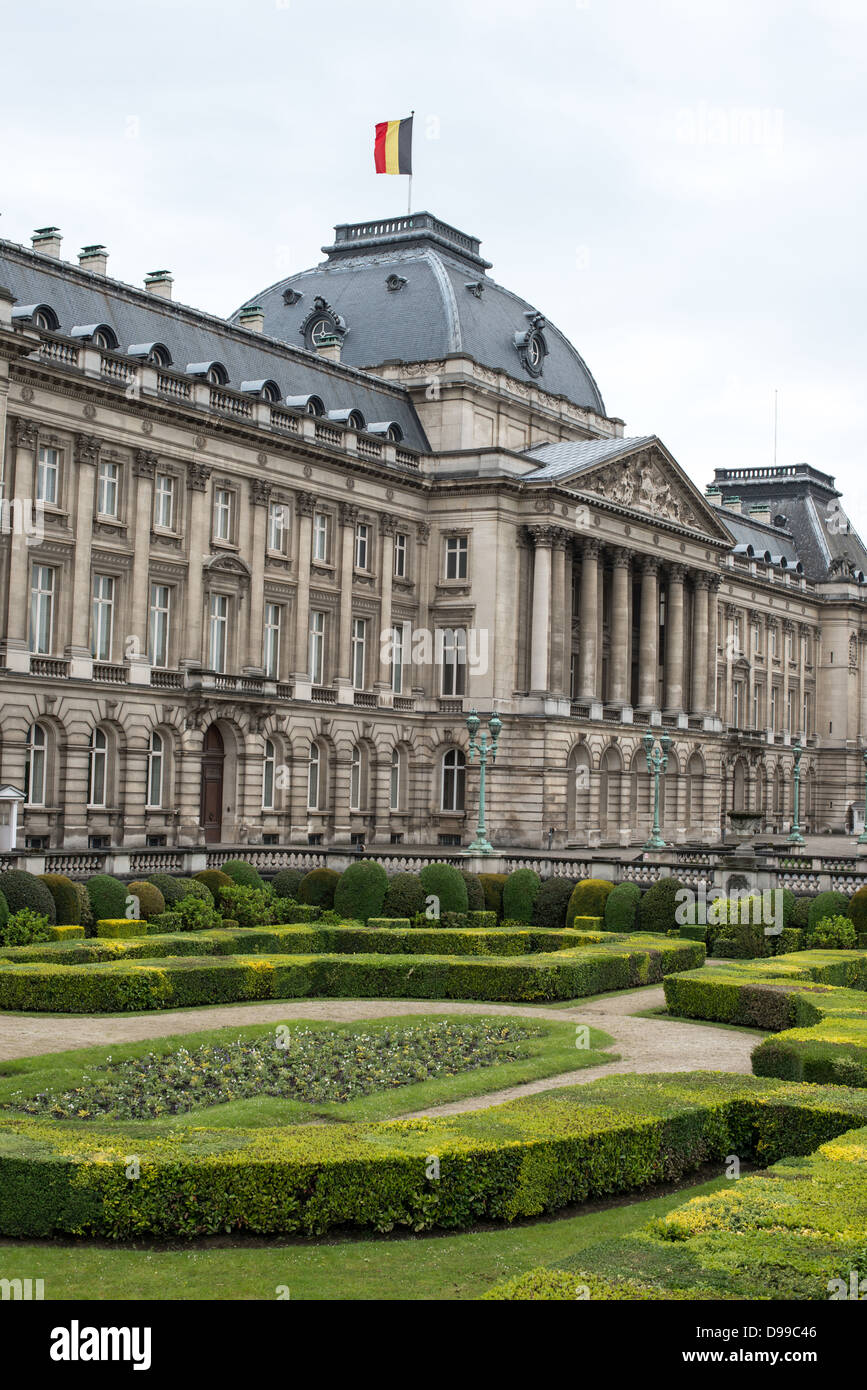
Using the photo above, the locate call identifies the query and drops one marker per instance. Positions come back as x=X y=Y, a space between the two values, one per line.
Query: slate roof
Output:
x=82 y=297
x=437 y=311
x=574 y=455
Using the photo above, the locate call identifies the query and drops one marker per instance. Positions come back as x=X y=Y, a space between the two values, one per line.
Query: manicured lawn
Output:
x=551 y=1052
x=392 y=1268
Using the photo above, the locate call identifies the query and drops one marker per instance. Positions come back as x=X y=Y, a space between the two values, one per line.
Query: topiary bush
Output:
x=4 y=911
x=857 y=909
x=788 y=906
x=214 y=880
x=150 y=899
x=445 y=883
x=24 y=927
x=475 y=892
x=361 y=891
x=21 y=889
x=285 y=883
x=621 y=907
x=318 y=887
x=66 y=901
x=240 y=871
x=828 y=904
x=107 y=897
x=404 y=896
x=492 y=887
x=171 y=888
x=588 y=899
x=832 y=934
x=658 y=906
x=801 y=911
x=251 y=907
x=85 y=911
x=520 y=892
x=193 y=888
x=549 y=909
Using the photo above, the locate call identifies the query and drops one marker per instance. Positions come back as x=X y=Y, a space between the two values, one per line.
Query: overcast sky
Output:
x=678 y=185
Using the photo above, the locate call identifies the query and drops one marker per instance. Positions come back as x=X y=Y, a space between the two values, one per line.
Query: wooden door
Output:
x=212 y=785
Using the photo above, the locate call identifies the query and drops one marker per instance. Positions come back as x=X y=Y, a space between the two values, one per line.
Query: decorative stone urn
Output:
x=745 y=825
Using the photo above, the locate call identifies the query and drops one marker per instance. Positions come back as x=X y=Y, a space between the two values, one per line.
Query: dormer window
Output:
x=311 y=405
x=388 y=429
x=352 y=419
x=40 y=316
x=266 y=390
x=155 y=354
x=214 y=373
x=99 y=334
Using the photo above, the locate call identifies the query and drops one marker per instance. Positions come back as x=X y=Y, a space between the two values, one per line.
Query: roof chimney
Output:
x=93 y=258
x=47 y=240
x=159 y=282
x=712 y=493
x=252 y=317
x=761 y=511
x=732 y=504
x=329 y=346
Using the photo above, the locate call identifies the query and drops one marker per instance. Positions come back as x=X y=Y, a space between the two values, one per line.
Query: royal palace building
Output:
x=257 y=572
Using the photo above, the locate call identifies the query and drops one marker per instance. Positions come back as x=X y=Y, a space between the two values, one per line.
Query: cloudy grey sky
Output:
x=678 y=184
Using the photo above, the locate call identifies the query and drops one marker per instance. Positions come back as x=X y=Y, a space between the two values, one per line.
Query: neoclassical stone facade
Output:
x=251 y=588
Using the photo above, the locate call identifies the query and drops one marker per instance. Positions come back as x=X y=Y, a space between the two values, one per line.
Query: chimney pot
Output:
x=732 y=504
x=252 y=317
x=329 y=346
x=47 y=240
x=93 y=258
x=159 y=282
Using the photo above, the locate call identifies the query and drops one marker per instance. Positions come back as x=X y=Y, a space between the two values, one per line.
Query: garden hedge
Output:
x=658 y=906
x=21 y=889
x=830 y=904
x=446 y=883
x=172 y=888
x=285 y=883
x=404 y=896
x=124 y=926
x=588 y=899
x=621 y=907
x=475 y=892
x=520 y=892
x=529 y=1157
x=239 y=871
x=150 y=900
x=317 y=888
x=492 y=887
x=549 y=909
x=67 y=905
x=361 y=891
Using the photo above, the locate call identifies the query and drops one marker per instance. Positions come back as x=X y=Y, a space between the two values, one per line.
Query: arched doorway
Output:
x=211 y=813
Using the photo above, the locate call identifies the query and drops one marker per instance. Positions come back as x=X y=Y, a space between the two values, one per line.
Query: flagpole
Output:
x=409 y=185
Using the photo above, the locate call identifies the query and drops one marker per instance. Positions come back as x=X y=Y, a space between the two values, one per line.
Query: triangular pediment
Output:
x=650 y=481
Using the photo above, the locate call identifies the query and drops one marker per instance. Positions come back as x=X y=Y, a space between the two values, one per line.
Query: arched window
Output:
x=34 y=766
x=454 y=780
x=396 y=785
x=156 y=770
x=98 y=779
x=355 y=780
x=313 y=777
x=268 y=769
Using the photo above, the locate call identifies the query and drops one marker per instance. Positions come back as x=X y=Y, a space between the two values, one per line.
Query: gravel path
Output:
x=644 y=1044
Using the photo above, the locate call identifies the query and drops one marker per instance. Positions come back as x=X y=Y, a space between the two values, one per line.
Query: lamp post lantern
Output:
x=481 y=844
x=795 y=837
x=657 y=762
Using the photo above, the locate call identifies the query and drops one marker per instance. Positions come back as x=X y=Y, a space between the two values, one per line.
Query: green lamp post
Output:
x=657 y=762
x=481 y=844
x=795 y=837
x=862 y=838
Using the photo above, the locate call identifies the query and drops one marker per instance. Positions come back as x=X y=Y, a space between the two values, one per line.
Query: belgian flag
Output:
x=392 y=148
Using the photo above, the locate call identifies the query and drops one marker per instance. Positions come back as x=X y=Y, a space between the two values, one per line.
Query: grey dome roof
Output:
x=413 y=289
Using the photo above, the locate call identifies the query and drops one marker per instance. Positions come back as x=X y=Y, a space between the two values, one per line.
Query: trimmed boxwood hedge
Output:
x=588 y=899
x=361 y=891
x=475 y=892
x=172 y=888
x=21 y=889
x=124 y=926
x=658 y=906
x=520 y=892
x=830 y=904
x=214 y=880
x=285 y=883
x=492 y=887
x=446 y=883
x=239 y=871
x=528 y=1157
x=150 y=900
x=107 y=896
x=318 y=886
x=67 y=905
x=621 y=907
x=404 y=896
x=549 y=909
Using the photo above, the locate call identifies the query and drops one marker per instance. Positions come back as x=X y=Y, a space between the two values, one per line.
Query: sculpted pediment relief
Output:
x=650 y=482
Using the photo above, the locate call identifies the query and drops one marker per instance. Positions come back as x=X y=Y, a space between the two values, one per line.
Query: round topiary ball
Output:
x=361 y=891
x=404 y=896
x=107 y=897
x=214 y=880
x=621 y=907
x=857 y=910
x=828 y=904
x=317 y=887
x=21 y=889
x=658 y=906
x=552 y=900
x=66 y=901
x=285 y=883
x=245 y=874
x=519 y=895
x=445 y=883
x=801 y=911
x=171 y=888
x=192 y=888
x=150 y=899
x=588 y=899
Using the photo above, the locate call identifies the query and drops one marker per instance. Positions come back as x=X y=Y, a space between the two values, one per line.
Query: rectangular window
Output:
x=268 y=770
x=773 y=707
x=271 y=654
x=774 y=642
x=790 y=712
x=359 y=652
x=362 y=546
x=107 y=489
x=102 y=617
x=278 y=528
x=808 y=715
x=757 y=639
x=737 y=697
x=218 y=632
x=736 y=632
x=48 y=476
x=757 y=706
x=42 y=609
x=317 y=647
x=223 y=509
x=158 y=627
x=321 y=530
x=400 y=555
x=398 y=657
x=164 y=502
x=453 y=646
x=457 y=552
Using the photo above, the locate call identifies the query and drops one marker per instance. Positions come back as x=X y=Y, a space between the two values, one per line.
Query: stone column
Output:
x=260 y=497
x=22 y=492
x=698 y=698
x=712 y=642
x=304 y=503
x=618 y=679
x=144 y=467
x=383 y=639
x=788 y=634
x=348 y=519
x=568 y=565
x=589 y=613
x=78 y=651
x=648 y=648
x=730 y=613
x=803 y=632
x=558 y=618
x=769 y=672
x=674 y=693
x=543 y=540
x=198 y=475
x=422 y=674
